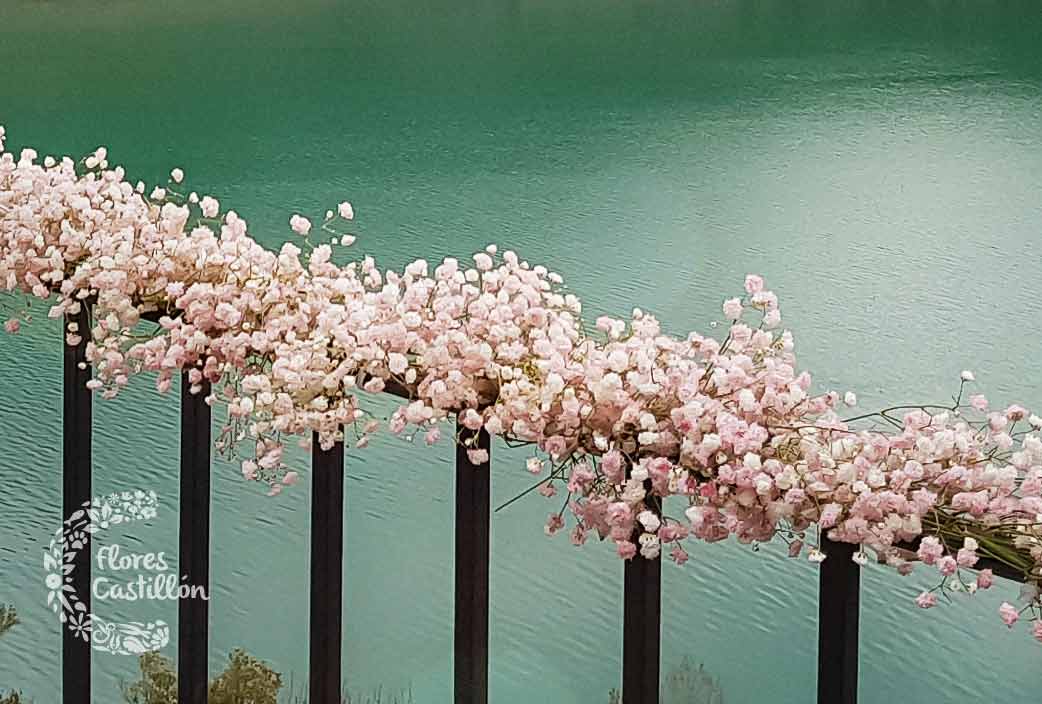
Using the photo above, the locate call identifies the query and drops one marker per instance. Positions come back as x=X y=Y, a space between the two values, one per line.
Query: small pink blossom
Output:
x=947 y=565
x=300 y=224
x=626 y=549
x=753 y=284
x=930 y=550
x=13 y=325
x=979 y=402
x=554 y=523
x=732 y=309
x=209 y=207
x=926 y=600
x=1009 y=614
x=432 y=436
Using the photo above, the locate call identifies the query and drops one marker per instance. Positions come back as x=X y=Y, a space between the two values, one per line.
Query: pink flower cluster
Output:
x=626 y=415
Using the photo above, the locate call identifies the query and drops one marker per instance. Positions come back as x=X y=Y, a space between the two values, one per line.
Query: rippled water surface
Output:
x=881 y=165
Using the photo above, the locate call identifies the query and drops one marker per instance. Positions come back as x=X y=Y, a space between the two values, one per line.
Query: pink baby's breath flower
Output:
x=930 y=550
x=947 y=565
x=626 y=549
x=732 y=309
x=1009 y=614
x=926 y=600
x=13 y=325
x=300 y=224
x=209 y=206
x=753 y=284
x=554 y=523
x=979 y=402
x=432 y=436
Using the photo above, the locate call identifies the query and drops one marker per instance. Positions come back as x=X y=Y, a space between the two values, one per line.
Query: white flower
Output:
x=649 y=546
x=860 y=558
x=1035 y=421
x=967 y=375
x=816 y=556
x=177 y=175
x=850 y=398
x=732 y=309
x=649 y=520
x=209 y=206
x=534 y=465
x=346 y=211
x=300 y=224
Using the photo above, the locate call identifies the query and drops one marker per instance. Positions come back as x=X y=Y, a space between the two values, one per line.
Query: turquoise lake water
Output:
x=879 y=162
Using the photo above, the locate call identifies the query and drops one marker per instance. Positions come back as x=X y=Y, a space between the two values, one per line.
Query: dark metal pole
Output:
x=327 y=559
x=76 y=491
x=838 y=604
x=473 y=483
x=641 y=625
x=194 y=542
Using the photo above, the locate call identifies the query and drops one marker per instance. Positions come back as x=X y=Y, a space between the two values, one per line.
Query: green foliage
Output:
x=378 y=696
x=685 y=684
x=8 y=618
x=158 y=683
x=246 y=680
x=688 y=684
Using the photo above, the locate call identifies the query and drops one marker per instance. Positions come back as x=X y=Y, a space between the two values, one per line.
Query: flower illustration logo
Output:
x=100 y=513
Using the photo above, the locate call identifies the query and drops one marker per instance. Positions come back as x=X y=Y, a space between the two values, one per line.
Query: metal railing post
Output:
x=838 y=607
x=77 y=417
x=473 y=483
x=194 y=545
x=327 y=577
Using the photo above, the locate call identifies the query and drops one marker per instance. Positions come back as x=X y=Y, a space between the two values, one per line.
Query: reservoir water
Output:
x=879 y=162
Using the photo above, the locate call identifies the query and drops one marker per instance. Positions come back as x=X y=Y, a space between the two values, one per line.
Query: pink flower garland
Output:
x=625 y=415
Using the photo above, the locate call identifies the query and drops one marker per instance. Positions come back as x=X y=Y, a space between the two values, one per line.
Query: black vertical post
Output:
x=194 y=544
x=838 y=602
x=327 y=578
x=473 y=482
x=641 y=623
x=76 y=490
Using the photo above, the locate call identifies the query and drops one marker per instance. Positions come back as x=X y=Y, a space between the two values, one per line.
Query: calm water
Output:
x=881 y=165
